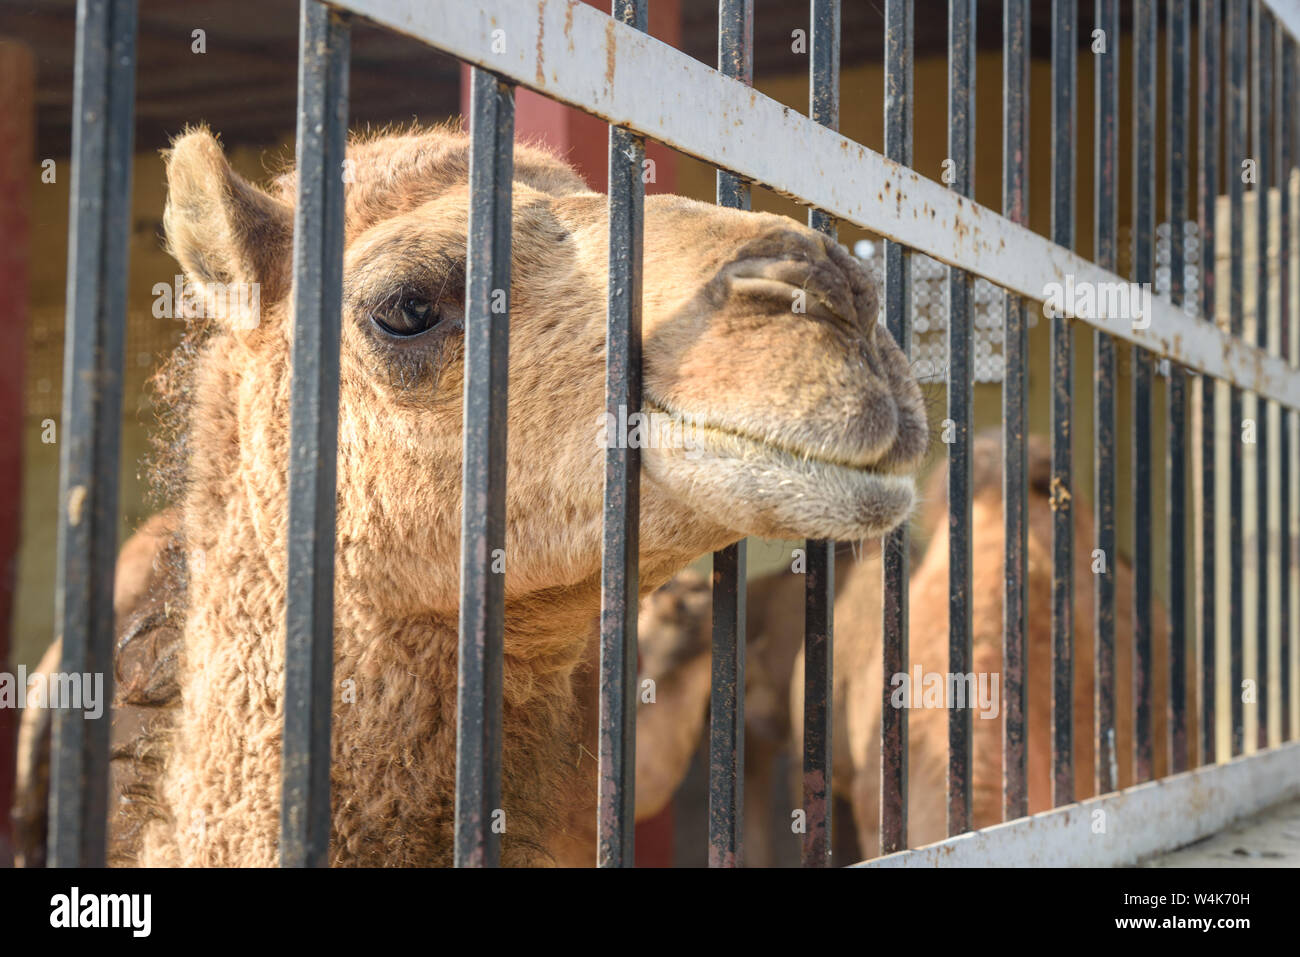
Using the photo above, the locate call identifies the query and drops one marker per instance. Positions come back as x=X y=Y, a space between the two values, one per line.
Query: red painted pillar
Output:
x=17 y=149
x=584 y=141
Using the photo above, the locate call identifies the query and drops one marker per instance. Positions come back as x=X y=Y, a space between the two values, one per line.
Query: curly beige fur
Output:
x=808 y=424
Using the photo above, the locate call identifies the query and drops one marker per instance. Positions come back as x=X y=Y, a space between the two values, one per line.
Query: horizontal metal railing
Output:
x=695 y=110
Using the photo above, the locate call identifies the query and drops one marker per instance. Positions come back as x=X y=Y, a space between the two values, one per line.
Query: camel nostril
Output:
x=812 y=288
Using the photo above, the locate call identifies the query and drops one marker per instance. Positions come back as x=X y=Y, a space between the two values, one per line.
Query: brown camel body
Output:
x=675 y=633
x=858 y=656
x=144 y=684
x=674 y=644
x=774 y=668
x=774 y=672
x=802 y=423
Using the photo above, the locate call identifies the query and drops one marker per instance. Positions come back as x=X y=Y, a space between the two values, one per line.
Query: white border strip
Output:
x=1139 y=821
x=581 y=56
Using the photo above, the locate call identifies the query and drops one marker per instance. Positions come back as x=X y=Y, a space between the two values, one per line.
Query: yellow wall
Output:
x=148 y=341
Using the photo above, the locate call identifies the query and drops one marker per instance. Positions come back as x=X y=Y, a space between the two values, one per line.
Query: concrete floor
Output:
x=1270 y=838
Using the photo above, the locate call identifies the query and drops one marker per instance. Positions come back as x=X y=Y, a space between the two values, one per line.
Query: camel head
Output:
x=789 y=411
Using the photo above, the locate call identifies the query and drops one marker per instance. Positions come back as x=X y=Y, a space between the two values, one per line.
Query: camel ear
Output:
x=229 y=236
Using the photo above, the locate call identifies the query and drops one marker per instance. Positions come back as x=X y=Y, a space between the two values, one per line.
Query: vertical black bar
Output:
x=1064 y=25
x=314 y=421
x=1015 y=205
x=1176 y=461
x=819 y=586
x=103 y=129
x=1144 y=241
x=1291 y=349
x=482 y=556
x=1105 y=179
x=616 y=816
x=1285 y=119
x=898 y=320
x=818 y=670
x=1235 y=153
x=961 y=376
x=727 y=705
x=1261 y=121
x=1207 y=192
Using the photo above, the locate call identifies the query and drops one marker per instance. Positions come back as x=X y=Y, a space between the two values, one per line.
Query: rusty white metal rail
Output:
x=1127 y=826
x=581 y=56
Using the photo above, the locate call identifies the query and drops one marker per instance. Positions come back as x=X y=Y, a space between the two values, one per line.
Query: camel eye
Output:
x=407 y=316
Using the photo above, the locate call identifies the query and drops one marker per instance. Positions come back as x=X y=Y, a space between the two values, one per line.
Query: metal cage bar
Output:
x=1207 y=191
x=727 y=704
x=479 y=815
x=1291 y=354
x=1261 y=85
x=898 y=320
x=1064 y=78
x=314 y=420
x=616 y=814
x=1177 y=460
x=1144 y=242
x=818 y=795
x=1105 y=251
x=1015 y=206
x=99 y=220
x=1284 y=157
x=1235 y=148
x=727 y=709
x=819 y=581
x=961 y=378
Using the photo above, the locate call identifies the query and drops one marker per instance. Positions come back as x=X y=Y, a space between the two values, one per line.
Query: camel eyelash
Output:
x=438 y=280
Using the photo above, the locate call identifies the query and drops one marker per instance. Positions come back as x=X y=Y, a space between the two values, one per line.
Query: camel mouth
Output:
x=757 y=486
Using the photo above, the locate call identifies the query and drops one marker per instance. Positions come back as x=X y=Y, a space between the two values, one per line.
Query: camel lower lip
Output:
x=756 y=488
x=697 y=435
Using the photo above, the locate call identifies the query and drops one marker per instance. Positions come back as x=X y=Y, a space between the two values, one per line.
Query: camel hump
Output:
x=140 y=562
x=987 y=458
x=146 y=601
x=672 y=627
